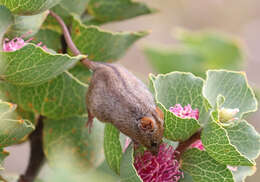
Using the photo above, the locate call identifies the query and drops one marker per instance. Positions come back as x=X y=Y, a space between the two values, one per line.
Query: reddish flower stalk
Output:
x=161 y=168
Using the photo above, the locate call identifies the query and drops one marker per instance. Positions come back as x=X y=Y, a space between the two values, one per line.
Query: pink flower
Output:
x=17 y=43
x=197 y=144
x=161 y=168
x=185 y=112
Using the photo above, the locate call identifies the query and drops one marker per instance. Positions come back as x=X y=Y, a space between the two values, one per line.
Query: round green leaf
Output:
x=70 y=137
x=218 y=145
x=242 y=172
x=26 y=25
x=114 y=10
x=235 y=89
x=12 y=131
x=61 y=97
x=32 y=65
x=101 y=45
x=203 y=168
x=50 y=38
x=218 y=50
x=244 y=137
x=179 y=88
x=28 y=7
x=165 y=60
x=6 y=20
x=3 y=155
x=112 y=147
x=128 y=172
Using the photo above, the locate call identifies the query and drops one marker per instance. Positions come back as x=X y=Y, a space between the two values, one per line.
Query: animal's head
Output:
x=151 y=130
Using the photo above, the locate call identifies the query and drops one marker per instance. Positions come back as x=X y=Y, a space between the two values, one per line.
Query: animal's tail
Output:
x=88 y=63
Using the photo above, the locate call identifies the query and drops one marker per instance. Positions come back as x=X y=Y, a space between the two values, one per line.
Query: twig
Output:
x=182 y=147
x=86 y=62
x=36 y=153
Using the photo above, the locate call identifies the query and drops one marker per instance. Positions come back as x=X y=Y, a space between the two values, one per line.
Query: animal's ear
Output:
x=146 y=123
x=160 y=113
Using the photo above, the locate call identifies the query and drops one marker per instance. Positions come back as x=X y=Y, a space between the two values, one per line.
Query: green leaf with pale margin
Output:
x=32 y=65
x=6 y=20
x=112 y=147
x=61 y=97
x=218 y=145
x=242 y=172
x=101 y=45
x=28 y=7
x=115 y=10
x=26 y=25
x=218 y=50
x=3 y=155
x=50 y=38
x=203 y=168
x=179 y=88
x=244 y=137
x=11 y=129
x=70 y=137
x=128 y=172
x=235 y=89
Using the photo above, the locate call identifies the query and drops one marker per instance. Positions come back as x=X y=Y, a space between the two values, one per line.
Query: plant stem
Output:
x=182 y=147
x=36 y=153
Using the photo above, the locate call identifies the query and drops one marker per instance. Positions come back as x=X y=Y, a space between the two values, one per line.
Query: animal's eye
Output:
x=153 y=144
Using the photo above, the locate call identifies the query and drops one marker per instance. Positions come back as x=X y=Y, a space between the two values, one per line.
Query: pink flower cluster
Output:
x=17 y=43
x=185 y=112
x=161 y=168
x=197 y=144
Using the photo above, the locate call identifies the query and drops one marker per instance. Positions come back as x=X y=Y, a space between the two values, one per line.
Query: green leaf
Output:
x=165 y=59
x=115 y=10
x=3 y=155
x=70 y=137
x=52 y=24
x=12 y=130
x=101 y=45
x=77 y=6
x=203 y=168
x=61 y=97
x=242 y=172
x=112 y=147
x=50 y=38
x=26 y=25
x=235 y=89
x=28 y=7
x=244 y=137
x=196 y=53
x=32 y=65
x=128 y=172
x=218 y=50
x=179 y=88
x=218 y=145
x=6 y=20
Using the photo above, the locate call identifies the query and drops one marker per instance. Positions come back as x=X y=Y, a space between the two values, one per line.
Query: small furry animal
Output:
x=116 y=96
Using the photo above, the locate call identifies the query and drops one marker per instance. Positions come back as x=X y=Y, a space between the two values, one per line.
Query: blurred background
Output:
x=238 y=18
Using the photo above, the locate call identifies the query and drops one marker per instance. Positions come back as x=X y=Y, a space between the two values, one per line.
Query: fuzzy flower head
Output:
x=17 y=43
x=185 y=112
x=161 y=168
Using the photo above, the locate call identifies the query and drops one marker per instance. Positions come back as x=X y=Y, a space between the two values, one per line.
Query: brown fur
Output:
x=115 y=95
